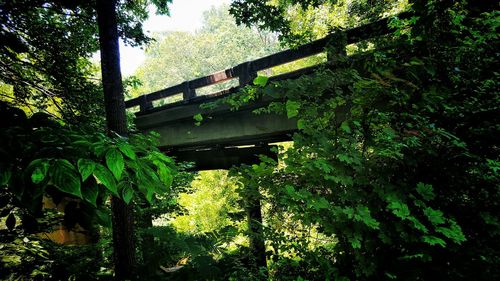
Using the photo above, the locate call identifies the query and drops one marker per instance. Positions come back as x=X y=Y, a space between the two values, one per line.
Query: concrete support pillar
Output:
x=255 y=229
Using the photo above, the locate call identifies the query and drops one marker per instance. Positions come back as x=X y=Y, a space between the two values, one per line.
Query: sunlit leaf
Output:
x=85 y=167
x=260 y=81
x=40 y=171
x=127 y=150
x=105 y=177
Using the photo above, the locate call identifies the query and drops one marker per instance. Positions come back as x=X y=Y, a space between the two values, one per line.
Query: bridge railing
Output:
x=247 y=71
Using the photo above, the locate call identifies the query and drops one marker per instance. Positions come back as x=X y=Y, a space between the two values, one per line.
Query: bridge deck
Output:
x=223 y=127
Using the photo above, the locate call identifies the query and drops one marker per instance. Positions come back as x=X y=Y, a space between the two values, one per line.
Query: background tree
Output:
x=298 y=21
x=219 y=44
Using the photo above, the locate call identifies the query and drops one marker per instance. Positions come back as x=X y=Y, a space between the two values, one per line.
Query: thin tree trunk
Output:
x=122 y=214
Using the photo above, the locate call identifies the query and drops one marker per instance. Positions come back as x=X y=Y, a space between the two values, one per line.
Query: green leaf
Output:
x=301 y=124
x=198 y=117
x=260 y=81
x=292 y=108
x=399 y=209
x=82 y=143
x=115 y=163
x=355 y=241
x=433 y=240
x=454 y=232
x=345 y=127
x=164 y=173
x=290 y=190
x=90 y=192
x=65 y=177
x=127 y=193
x=85 y=167
x=5 y=176
x=160 y=156
x=426 y=191
x=127 y=150
x=104 y=176
x=434 y=216
x=320 y=203
x=363 y=215
x=40 y=171
x=418 y=225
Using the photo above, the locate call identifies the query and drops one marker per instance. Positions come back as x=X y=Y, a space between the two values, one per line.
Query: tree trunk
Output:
x=122 y=214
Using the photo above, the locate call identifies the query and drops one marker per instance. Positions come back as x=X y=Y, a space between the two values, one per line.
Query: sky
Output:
x=185 y=15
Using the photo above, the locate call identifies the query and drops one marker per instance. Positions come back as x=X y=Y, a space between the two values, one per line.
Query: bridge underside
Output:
x=214 y=144
x=222 y=158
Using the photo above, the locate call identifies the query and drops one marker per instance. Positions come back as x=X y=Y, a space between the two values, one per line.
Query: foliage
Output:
x=200 y=215
x=299 y=21
x=33 y=258
x=395 y=157
x=45 y=52
x=41 y=158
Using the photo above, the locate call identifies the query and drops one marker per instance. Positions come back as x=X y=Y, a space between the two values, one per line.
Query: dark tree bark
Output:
x=122 y=214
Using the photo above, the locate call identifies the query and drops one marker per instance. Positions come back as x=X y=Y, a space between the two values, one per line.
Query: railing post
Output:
x=246 y=73
x=255 y=228
x=145 y=104
x=187 y=92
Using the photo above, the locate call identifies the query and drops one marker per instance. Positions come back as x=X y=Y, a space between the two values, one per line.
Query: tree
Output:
x=220 y=44
x=37 y=72
x=298 y=22
x=45 y=51
x=116 y=120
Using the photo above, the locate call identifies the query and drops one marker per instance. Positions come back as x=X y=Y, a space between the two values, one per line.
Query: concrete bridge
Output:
x=232 y=137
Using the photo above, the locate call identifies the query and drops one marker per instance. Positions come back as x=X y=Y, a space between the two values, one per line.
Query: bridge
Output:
x=232 y=137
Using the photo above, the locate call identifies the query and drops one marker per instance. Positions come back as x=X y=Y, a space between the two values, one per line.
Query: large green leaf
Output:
x=260 y=81
x=104 y=176
x=65 y=177
x=86 y=168
x=127 y=150
x=165 y=173
x=127 y=192
x=115 y=163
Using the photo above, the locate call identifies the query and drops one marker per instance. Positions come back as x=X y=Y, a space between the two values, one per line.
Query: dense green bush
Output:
x=396 y=157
